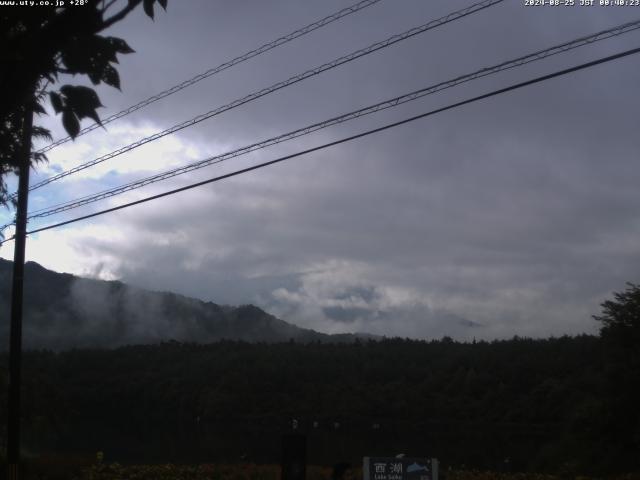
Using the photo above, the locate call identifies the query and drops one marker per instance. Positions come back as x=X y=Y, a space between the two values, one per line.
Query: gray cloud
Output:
x=515 y=215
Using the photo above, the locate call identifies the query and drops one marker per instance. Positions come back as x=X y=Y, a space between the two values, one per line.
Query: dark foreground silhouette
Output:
x=521 y=404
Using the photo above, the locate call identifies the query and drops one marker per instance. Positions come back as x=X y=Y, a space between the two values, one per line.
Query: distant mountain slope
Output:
x=63 y=311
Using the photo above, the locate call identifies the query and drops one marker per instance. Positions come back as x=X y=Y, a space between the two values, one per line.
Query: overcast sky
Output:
x=517 y=215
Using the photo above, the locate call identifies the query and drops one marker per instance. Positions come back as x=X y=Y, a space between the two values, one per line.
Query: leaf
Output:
x=148 y=8
x=39 y=157
x=110 y=76
x=120 y=45
x=89 y=53
x=93 y=115
x=41 y=132
x=78 y=55
x=163 y=4
x=87 y=113
x=51 y=76
x=56 y=101
x=37 y=108
x=94 y=77
x=70 y=123
x=83 y=101
x=81 y=96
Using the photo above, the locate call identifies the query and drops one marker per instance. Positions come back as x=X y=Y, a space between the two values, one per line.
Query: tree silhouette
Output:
x=620 y=332
x=621 y=317
x=39 y=43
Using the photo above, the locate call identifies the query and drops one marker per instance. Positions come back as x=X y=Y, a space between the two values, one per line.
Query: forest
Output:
x=565 y=404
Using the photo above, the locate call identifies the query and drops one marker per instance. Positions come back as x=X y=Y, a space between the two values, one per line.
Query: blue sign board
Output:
x=404 y=468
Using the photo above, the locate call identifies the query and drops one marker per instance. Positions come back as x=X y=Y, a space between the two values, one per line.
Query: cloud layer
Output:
x=516 y=215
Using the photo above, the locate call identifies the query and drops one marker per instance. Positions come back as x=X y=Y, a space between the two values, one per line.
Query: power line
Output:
x=277 y=86
x=350 y=138
x=223 y=66
x=523 y=60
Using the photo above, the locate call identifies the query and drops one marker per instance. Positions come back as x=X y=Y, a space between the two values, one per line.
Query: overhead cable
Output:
x=476 y=7
x=347 y=139
x=223 y=66
x=393 y=102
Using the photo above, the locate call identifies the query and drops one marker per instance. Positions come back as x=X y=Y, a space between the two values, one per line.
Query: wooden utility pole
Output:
x=15 y=345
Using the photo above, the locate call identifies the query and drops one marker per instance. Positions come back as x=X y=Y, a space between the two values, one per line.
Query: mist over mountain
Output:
x=63 y=311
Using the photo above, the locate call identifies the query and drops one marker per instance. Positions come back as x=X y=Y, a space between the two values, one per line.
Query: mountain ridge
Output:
x=63 y=311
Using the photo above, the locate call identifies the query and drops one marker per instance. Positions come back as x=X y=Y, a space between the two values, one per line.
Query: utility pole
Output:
x=15 y=345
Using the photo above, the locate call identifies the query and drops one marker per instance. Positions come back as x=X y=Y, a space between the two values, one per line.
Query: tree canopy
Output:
x=620 y=332
x=37 y=45
x=622 y=315
x=475 y=404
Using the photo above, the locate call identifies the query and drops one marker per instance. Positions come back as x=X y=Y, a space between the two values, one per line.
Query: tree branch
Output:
x=119 y=16
x=108 y=5
x=43 y=88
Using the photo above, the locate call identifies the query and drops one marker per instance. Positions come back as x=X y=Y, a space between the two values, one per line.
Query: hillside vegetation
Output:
x=538 y=405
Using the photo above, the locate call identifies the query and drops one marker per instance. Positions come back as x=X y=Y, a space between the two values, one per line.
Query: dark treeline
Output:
x=521 y=404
